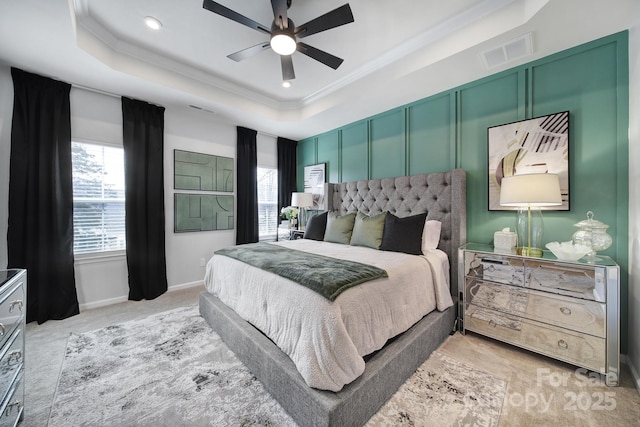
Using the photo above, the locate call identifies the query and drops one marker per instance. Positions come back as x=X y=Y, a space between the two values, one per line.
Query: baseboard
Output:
x=185 y=286
x=634 y=373
x=103 y=302
x=123 y=298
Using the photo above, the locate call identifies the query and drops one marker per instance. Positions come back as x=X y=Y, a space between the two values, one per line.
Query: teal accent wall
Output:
x=354 y=154
x=388 y=147
x=431 y=134
x=449 y=130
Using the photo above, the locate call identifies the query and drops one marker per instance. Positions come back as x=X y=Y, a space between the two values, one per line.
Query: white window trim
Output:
x=96 y=257
x=96 y=142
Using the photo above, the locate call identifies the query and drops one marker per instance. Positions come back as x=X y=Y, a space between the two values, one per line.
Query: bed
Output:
x=364 y=387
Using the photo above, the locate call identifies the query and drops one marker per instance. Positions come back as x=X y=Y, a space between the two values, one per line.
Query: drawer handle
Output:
x=14 y=303
x=492 y=323
x=2 y=329
x=11 y=406
x=491 y=268
x=16 y=354
x=563 y=344
x=565 y=310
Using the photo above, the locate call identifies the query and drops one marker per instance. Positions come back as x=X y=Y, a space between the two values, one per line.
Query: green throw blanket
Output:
x=324 y=275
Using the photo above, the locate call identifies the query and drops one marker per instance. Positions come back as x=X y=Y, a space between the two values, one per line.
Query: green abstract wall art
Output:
x=202 y=212
x=202 y=172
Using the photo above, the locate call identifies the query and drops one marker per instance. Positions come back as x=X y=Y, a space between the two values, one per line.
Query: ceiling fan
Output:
x=284 y=34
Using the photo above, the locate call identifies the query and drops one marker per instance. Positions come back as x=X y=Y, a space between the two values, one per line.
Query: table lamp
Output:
x=302 y=201
x=529 y=192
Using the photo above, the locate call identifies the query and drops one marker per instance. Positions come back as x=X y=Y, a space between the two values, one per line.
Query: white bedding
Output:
x=325 y=340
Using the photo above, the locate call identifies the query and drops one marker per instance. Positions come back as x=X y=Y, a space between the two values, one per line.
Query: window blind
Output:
x=267 y=203
x=98 y=198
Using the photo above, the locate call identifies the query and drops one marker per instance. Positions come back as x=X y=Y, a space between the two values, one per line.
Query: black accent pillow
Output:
x=403 y=234
x=316 y=226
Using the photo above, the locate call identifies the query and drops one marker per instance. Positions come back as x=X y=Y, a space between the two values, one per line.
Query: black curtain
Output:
x=287 y=167
x=247 y=170
x=40 y=228
x=143 y=140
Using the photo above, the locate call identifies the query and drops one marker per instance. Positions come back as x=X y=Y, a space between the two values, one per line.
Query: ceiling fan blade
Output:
x=280 y=13
x=287 y=68
x=335 y=18
x=320 y=55
x=221 y=10
x=243 y=54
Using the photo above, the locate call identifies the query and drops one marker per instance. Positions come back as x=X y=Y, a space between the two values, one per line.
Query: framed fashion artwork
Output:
x=314 y=179
x=537 y=145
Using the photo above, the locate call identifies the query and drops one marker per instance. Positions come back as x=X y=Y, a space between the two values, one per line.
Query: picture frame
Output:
x=202 y=172
x=537 y=145
x=202 y=212
x=314 y=179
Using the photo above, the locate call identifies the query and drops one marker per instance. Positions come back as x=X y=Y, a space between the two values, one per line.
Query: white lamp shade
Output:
x=536 y=189
x=302 y=200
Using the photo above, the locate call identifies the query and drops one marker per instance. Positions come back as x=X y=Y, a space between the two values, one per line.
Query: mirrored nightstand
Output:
x=568 y=310
x=296 y=234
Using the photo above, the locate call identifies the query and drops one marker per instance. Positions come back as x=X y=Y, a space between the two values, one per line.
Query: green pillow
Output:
x=339 y=228
x=367 y=230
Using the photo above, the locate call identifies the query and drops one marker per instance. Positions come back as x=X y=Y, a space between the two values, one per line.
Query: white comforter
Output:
x=325 y=340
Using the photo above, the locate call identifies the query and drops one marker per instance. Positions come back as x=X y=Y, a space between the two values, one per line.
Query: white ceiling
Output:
x=396 y=52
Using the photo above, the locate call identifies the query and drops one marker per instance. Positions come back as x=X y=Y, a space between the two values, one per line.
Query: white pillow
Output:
x=431 y=235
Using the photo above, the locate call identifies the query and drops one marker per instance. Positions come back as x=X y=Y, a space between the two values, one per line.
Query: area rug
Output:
x=171 y=369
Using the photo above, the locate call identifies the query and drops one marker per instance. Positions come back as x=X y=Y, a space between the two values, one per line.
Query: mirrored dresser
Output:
x=12 y=327
x=567 y=310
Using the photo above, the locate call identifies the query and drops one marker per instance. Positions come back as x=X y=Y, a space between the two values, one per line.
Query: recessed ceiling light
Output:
x=286 y=83
x=152 y=22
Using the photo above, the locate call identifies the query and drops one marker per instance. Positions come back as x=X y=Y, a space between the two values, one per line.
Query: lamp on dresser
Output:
x=529 y=192
x=302 y=201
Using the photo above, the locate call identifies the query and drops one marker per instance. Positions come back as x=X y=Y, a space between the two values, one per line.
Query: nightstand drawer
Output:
x=11 y=361
x=575 y=280
x=578 y=315
x=11 y=309
x=13 y=407
x=495 y=267
x=573 y=347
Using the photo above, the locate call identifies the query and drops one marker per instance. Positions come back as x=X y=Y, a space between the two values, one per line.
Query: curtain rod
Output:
x=103 y=92
x=92 y=89
x=111 y=94
x=267 y=134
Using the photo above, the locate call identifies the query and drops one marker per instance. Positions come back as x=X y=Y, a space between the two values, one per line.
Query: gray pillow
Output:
x=367 y=230
x=339 y=228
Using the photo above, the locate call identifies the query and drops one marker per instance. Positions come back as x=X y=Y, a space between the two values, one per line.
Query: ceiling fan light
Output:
x=283 y=44
x=152 y=22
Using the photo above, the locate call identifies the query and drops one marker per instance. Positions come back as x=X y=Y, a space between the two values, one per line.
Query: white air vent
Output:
x=510 y=51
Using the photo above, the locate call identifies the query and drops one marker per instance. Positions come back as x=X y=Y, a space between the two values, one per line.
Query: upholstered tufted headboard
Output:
x=441 y=194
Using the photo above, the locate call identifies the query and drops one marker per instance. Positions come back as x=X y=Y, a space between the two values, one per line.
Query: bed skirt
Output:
x=384 y=373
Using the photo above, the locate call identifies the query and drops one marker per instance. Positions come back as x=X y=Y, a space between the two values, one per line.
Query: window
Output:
x=98 y=198
x=267 y=203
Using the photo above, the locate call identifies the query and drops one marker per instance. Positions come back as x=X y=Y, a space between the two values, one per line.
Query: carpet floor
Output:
x=540 y=391
x=171 y=369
